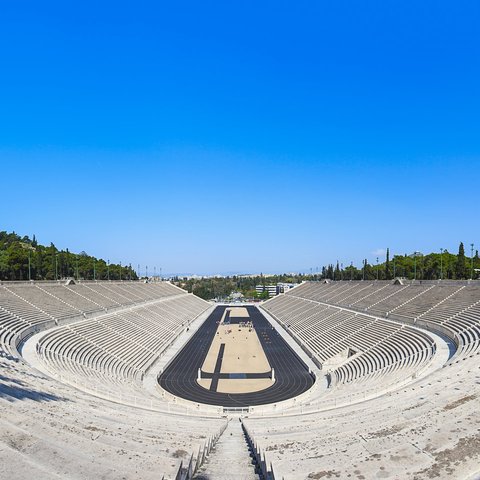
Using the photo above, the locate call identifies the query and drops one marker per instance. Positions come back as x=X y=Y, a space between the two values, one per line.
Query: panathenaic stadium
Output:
x=349 y=380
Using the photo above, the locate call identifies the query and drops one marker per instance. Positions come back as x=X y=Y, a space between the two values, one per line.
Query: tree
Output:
x=337 y=272
x=461 y=266
x=387 y=265
x=330 y=272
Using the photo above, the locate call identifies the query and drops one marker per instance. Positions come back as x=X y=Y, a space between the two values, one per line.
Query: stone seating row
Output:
x=24 y=306
x=378 y=346
x=122 y=345
x=447 y=308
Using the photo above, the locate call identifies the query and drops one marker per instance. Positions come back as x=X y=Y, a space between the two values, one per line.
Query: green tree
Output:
x=461 y=266
x=387 y=265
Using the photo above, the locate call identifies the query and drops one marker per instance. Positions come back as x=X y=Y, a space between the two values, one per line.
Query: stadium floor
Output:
x=291 y=373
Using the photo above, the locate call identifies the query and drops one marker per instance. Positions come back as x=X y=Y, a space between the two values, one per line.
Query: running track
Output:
x=291 y=374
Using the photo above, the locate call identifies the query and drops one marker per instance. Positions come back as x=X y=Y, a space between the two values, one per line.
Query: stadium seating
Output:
x=120 y=346
x=51 y=430
x=27 y=308
x=446 y=308
x=372 y=346
x=379 y=417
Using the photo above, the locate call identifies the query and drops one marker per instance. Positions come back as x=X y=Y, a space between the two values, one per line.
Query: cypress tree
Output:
x=387 y=265
x=461 y=267
x=330 y=272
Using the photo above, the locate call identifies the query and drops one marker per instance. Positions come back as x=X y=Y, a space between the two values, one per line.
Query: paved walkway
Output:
x=230 y=459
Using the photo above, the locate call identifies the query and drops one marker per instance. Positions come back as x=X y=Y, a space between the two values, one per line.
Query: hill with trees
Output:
x=22 y=258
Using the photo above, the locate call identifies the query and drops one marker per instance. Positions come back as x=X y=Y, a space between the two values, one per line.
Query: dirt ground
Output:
x=243 y=354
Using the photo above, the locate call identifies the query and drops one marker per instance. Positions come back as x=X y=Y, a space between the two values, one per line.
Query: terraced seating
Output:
x=119 y=347
x=399 y=297
x=345 y=435
x=24 y=307
x=370 y=347
x=441 y=307
x=381 y=292
x=422 y=303
x=401 y=350
x=51 y=430
x=41 y=297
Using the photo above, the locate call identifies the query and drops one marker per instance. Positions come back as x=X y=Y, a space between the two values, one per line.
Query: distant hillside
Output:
x=22 y=258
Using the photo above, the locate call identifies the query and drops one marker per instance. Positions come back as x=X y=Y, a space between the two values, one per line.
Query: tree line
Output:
x=416 y=266
x=22 y=258
x=434 y=266
x=221 y=287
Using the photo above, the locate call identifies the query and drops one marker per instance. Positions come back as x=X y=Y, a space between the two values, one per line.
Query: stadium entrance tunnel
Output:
x=236 y=359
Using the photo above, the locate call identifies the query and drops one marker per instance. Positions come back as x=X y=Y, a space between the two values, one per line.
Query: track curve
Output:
x=291 y=373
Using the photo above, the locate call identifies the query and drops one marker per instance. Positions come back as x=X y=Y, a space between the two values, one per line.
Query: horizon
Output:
x=156 y=272
x=253 y=138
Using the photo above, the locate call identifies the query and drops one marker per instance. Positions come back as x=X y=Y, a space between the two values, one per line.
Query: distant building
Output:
x=274 y=290
x=271 y=289
x=285 y=287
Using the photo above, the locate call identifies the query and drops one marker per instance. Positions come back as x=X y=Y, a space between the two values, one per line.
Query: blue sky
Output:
x=241 y=136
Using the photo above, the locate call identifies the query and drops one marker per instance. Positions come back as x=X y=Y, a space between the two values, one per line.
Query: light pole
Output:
x=120 y=271
x=394 y=268
x=146 y=271
x=414 y=265
x=154 y=273
x=471 y=261
x=56 y=266
x=441 y=264
x=78 y=276
x=364 y=265
x=29 y=265
x=108 y=269
x=94 y=273
x=377 y=268
x=351 y=271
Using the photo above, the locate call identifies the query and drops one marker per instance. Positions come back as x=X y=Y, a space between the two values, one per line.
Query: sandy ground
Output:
x=205 y=382
x=243 y=351
x=238 y=385
x=244 y=385
x=243 y=354
x=238 y=312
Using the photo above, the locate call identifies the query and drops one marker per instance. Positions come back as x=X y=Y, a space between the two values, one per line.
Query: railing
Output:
x=196 y=461
x=265 y=467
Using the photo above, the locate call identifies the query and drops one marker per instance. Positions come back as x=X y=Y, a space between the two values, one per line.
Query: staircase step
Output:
x=230 y=458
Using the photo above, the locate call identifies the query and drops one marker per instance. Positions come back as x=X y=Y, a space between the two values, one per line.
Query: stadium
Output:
x=345 y=379
x=256 y=209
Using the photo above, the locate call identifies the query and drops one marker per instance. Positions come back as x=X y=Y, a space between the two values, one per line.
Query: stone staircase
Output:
x=230 y=459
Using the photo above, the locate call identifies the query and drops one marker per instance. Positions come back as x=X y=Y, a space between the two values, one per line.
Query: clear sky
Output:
x=248 y=136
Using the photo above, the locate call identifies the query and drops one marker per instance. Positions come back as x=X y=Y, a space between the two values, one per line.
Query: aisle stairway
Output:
x=230 y=459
